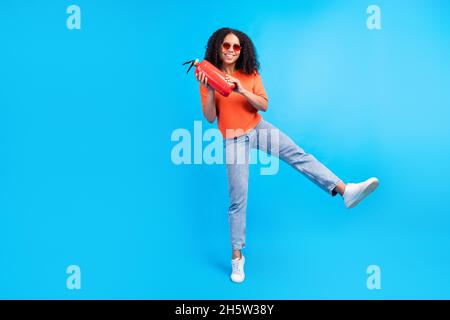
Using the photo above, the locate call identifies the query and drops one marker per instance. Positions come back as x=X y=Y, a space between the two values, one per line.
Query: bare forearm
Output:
x=256 y=101
x=209 y=111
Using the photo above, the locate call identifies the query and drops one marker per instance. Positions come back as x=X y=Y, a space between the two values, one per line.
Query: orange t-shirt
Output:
x=234 y=113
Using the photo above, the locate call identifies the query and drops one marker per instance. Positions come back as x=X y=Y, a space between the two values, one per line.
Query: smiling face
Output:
x=230 y=49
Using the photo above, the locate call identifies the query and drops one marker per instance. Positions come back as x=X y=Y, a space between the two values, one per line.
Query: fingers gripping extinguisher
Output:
x=216 y=78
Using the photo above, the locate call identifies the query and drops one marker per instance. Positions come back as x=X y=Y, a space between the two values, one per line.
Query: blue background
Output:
x=86 y=176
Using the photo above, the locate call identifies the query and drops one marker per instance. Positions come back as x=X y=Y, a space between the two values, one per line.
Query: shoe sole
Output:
x=238 y=281
x=371 y=187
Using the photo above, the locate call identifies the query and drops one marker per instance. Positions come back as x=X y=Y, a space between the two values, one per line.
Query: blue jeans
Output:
x=271 y=140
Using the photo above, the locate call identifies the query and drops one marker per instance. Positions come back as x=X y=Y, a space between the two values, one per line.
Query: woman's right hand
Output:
x=201 y=77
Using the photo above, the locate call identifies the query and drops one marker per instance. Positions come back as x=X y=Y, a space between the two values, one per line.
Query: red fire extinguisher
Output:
x=216 y=78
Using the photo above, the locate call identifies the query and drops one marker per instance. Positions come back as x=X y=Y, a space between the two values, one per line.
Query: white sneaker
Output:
x=355 y=192
x=238 y=274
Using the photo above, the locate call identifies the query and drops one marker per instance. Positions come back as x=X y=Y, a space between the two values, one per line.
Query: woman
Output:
x=243 y=128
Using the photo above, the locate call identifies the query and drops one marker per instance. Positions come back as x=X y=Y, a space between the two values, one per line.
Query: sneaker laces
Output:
x=237 y=266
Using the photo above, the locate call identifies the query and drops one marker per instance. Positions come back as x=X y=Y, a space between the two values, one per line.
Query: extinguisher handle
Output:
x=191 y=64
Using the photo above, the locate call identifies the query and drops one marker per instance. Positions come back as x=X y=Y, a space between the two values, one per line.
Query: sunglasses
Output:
x=227 y=46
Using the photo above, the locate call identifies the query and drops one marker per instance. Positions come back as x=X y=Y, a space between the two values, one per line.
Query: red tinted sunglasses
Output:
x=227 y=46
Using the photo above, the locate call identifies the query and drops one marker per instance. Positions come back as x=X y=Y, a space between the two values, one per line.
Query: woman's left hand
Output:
x=239 y=88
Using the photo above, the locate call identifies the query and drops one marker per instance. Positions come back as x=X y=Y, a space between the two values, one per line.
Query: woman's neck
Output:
x=228 y=68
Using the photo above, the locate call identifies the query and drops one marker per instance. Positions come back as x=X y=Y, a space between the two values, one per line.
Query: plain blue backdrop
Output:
x=86 y=176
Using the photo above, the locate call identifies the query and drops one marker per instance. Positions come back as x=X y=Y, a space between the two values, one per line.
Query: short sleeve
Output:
x=258 y=87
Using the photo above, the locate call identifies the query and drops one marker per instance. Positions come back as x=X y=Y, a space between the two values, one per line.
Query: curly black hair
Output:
x=247 y=61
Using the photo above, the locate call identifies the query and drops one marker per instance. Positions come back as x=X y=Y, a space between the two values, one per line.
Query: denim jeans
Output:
x=271 y=140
